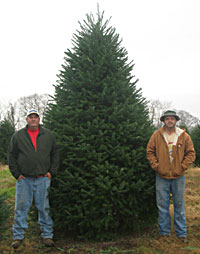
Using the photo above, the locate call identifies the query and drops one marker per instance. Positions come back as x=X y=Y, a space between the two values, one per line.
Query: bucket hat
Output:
x=169 y=113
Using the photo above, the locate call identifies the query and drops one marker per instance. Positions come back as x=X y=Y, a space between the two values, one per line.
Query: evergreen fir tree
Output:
x=6 y=131
x=5 y=212
x=105 y=185
x=195 y=135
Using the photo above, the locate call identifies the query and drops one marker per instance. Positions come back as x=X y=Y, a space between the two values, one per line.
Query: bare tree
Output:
x=15 y=112
x=156 y=109
x=35 y=101
x=11 y=114
x=4 y=108
x=187 y=120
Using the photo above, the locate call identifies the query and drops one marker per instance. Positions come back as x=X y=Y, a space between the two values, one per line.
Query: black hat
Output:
x=169 y=113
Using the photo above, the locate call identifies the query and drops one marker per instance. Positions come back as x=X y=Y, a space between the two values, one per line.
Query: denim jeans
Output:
x=163 y=189
x=26 y=190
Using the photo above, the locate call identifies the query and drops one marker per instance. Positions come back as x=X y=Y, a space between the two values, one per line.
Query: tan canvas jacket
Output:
x=183 y=154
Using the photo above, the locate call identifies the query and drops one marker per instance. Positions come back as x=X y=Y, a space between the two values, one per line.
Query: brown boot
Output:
x=48 y=242
x=16 y=243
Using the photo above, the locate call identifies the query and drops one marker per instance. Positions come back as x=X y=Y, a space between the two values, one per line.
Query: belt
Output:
x=41 y=175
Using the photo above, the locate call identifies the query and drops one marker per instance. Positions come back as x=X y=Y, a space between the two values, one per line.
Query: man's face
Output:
x=33 y=121
x=170 y=121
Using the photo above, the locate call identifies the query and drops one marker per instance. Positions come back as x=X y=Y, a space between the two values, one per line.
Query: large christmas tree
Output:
x=105 y=185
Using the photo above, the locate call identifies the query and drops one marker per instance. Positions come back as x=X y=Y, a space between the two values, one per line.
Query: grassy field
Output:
x=146 y=243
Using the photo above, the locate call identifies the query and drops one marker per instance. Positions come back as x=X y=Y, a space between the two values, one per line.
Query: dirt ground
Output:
x=147 y=243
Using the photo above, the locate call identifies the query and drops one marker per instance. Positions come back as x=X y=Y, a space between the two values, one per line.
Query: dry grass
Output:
x=7 y=183
x=147 y=243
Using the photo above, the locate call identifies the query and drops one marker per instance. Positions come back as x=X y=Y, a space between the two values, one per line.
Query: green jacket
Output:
x=23 y=159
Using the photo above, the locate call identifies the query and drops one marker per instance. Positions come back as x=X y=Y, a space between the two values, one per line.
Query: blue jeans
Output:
x=163 y=189
x=26 y=190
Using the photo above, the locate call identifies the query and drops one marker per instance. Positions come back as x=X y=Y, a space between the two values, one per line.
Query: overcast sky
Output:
x=161 y=37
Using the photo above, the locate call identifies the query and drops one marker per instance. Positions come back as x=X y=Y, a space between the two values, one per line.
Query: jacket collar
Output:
x=41 y=130
x=178 y=131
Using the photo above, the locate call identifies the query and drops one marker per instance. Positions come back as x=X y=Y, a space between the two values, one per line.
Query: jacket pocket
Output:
x=177 y=170
x=162 y=171
x=155 y=166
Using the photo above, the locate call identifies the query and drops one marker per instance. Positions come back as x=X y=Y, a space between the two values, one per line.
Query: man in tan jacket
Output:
x=170 y=152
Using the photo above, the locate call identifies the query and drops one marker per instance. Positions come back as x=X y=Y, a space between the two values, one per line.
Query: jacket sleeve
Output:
x=189 y=153
x=54 y=158
x=151 y=153
x=12 y=157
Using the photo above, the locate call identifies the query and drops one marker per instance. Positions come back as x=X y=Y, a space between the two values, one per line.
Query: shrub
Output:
x=4 y=212
x=195 y=135
x=6 y=132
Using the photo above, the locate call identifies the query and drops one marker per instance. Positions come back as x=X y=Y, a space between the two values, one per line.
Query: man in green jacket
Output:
x=33 y=159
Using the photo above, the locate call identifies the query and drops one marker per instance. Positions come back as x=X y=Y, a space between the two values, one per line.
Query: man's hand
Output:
x=48 y=174
x=20 y=177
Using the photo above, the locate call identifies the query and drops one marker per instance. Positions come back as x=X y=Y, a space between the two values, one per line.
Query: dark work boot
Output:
x=16 y=243
x=48 y=242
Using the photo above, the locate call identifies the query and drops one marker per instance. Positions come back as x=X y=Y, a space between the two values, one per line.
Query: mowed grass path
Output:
x=147 y=242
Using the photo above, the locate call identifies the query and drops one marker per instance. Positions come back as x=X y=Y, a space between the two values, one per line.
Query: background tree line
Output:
x=13 y=117
x=15 y=112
